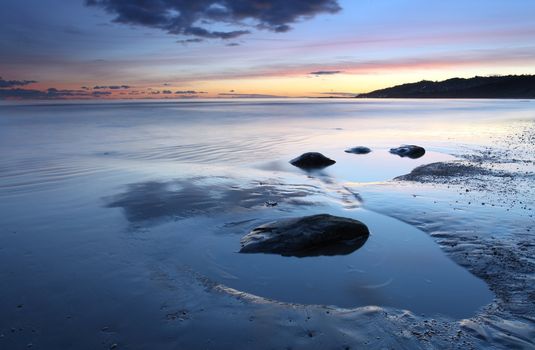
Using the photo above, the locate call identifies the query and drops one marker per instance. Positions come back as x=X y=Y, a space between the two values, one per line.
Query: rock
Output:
x=411 y=151
x=314 y=235
x=441 y=172
x=312 y=160
x=358 y=150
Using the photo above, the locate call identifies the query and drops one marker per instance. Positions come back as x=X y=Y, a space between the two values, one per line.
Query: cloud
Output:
x=189 y=92
x=20 y=94
x=32 y=94
x=110 y=87
x=190 y=41
x=97 y=92
x=12 y=83
x=100 y=93
x=190 y=17
x=84 y=92
x=325 y=72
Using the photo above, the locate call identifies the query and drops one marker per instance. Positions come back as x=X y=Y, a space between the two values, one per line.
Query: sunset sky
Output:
x=239 y=48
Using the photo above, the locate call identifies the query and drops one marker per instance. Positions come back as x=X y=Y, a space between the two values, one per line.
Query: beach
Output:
x=121 y=224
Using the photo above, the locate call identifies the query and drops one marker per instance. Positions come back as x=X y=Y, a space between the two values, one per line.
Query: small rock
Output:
x=411 y=151
x=358 y=150
x=312 y=160
x=271 y=203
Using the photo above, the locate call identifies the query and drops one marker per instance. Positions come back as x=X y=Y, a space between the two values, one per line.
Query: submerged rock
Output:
x=442 y=172
x=312 y=160
x=411 y=151
x=358 y=150
x=314 y=235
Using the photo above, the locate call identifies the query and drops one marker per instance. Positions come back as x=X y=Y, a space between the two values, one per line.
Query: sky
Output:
x=108 y=49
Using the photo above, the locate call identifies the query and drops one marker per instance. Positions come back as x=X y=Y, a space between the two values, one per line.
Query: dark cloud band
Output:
x=325 y=72
x=111 y=87
x=13 y=83
x=185 y=17
x=51 y=93
x=189 y=92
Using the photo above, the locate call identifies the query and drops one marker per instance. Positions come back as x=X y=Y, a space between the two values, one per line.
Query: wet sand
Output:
x=108 y=244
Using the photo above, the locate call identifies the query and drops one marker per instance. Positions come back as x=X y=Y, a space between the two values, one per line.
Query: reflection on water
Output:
x=330 y=249
x=185 y=180
x=398 y=265
x=379 y=165
x=153 y=201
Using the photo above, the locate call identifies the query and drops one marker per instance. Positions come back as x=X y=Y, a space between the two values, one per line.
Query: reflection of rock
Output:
x=314 y=235
x=358 y=150
x=154 y=201
x=411 y=151
x=312 y=160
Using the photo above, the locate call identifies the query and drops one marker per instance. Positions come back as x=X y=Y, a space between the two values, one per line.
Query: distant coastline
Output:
x=509 y=86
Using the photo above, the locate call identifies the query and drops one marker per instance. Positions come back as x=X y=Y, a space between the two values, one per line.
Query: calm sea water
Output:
x=97 y=197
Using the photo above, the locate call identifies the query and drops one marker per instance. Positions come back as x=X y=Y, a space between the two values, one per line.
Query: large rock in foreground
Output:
x=312 y=160
x=314 y=235
x=411 y=151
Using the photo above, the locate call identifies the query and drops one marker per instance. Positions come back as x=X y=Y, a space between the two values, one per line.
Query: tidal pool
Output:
x=398 y=265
